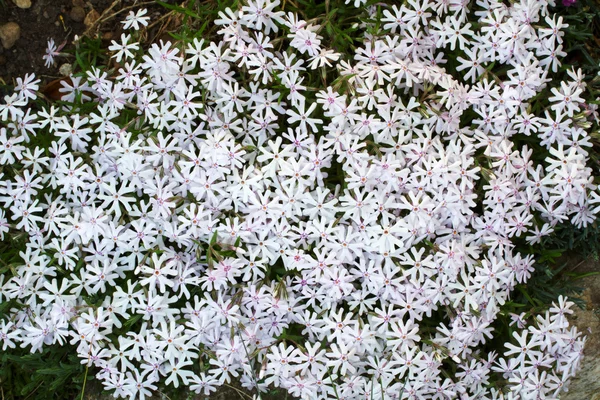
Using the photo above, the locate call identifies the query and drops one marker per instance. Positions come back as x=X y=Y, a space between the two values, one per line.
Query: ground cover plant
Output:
x=247 y=202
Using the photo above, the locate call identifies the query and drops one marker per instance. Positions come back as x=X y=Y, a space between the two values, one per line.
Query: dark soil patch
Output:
x=55 y=19
x=585 y=385
x=44 y=20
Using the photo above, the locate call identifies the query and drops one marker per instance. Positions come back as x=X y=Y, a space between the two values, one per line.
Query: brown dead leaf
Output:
x=91 y=18
x=51 y=90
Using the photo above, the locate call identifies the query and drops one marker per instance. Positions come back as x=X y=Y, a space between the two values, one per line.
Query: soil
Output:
x=45 y=19
x=586 y=385
x=57 y=19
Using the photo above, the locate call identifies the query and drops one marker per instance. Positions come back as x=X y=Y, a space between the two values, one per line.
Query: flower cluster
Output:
x=189 y=212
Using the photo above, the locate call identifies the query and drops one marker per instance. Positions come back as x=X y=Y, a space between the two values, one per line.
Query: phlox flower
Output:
x=348 y=232
x=134 y=20
x=52 y=51
x=123 y=49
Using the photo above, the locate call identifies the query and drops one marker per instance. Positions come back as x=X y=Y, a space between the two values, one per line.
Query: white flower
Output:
x=123 y=49
x=239 y=204
x=134 y=20
x=52 y=51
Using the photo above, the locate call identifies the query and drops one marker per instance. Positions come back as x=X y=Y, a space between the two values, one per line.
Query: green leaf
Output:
x=527 y=296
x=213 y=239
x=131 y=321
x=575 y=275
x=179 y=9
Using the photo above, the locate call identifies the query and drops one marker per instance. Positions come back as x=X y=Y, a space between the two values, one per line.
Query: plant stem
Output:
x=84 y=381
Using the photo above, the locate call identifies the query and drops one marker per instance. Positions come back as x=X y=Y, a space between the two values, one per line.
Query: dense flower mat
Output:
x=211 y=210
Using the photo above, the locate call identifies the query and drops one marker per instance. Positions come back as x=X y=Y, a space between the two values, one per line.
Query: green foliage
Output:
x=56 y=373
x=584 y=242
x=198 y=18
x=584 y=27
x=89 y=52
